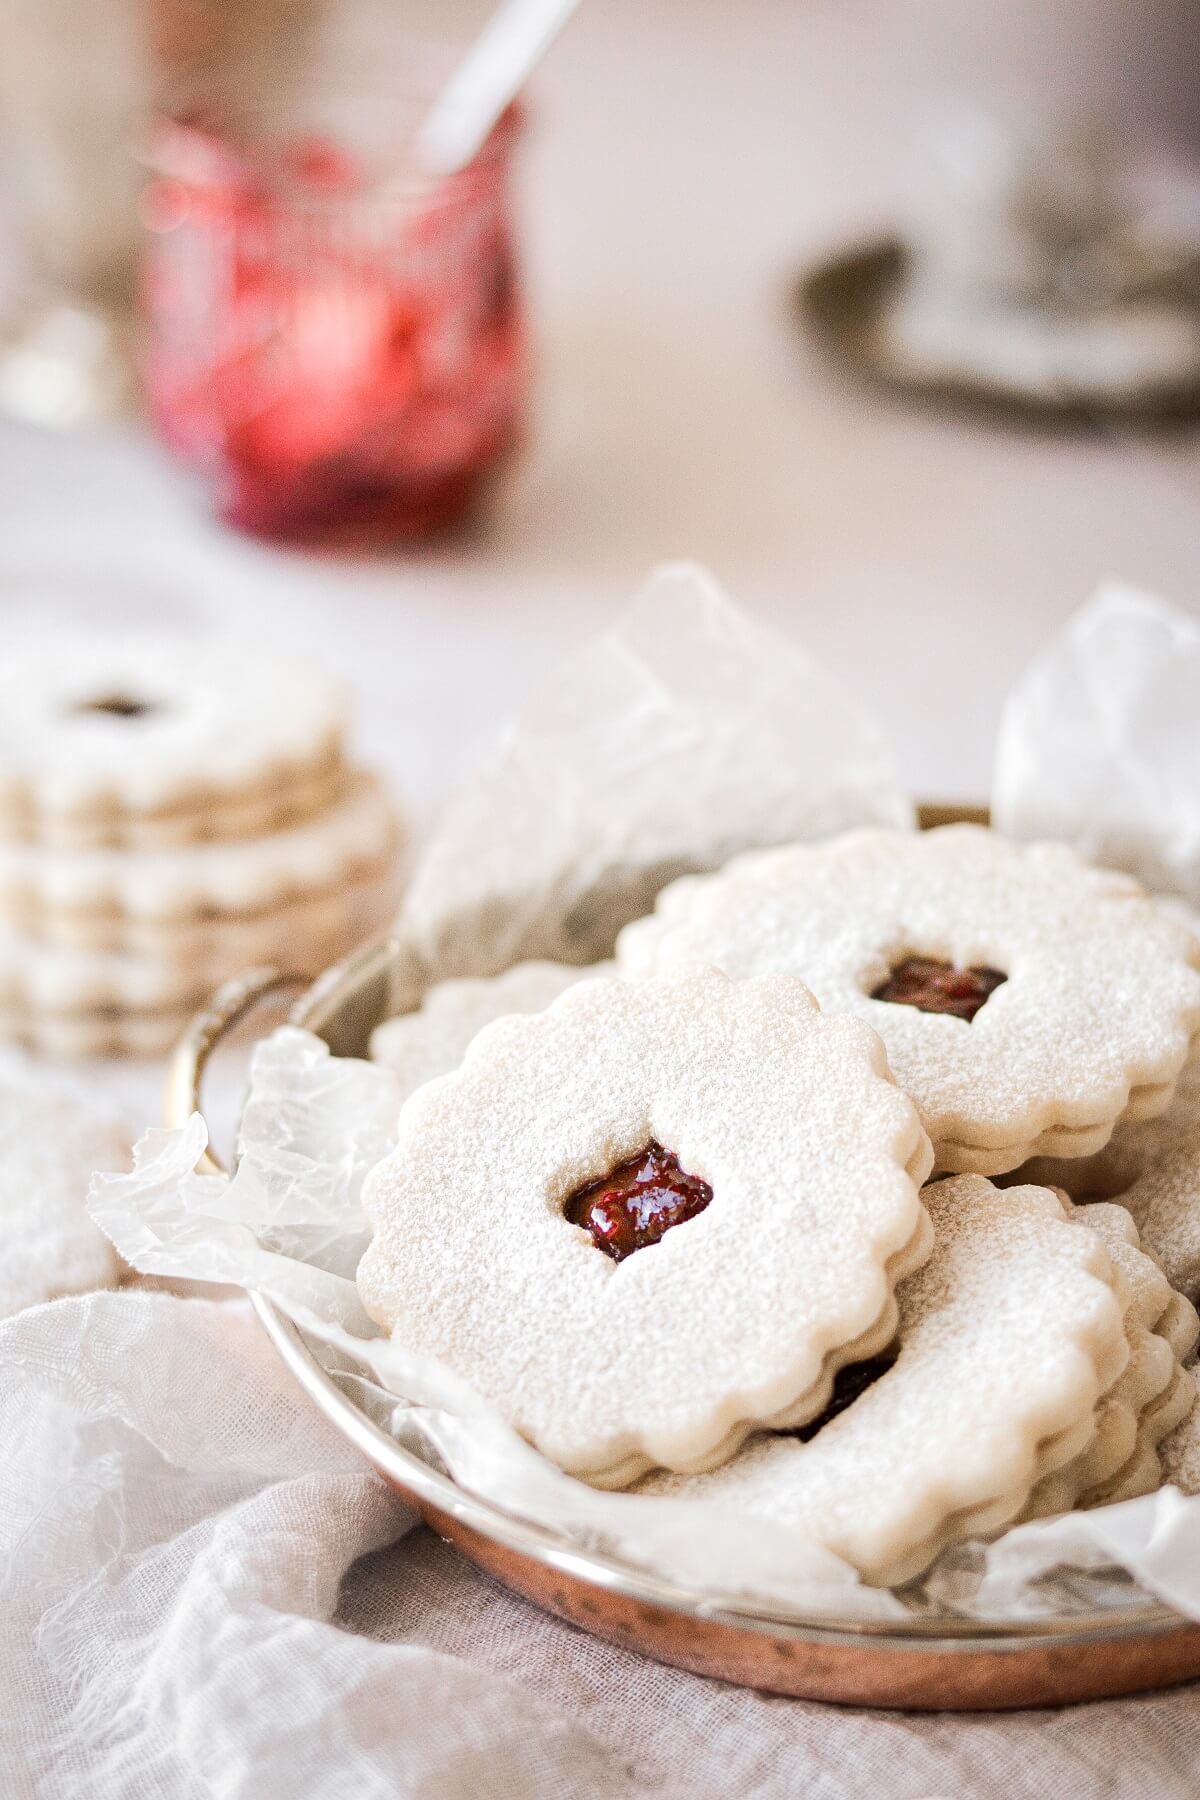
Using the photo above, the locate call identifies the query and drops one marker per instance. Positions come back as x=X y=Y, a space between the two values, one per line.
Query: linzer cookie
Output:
x=1151 y=1396
x=48 y=993
x=1181 y=1451
x=1153 y=1169
x=434 y=1039
x=337 y=915
x=1008 y=1337
x=1028 y=1001
x=170 y=814
x=64 y=1002
x=651 y=1217
x=172 y=901
x=107 y=741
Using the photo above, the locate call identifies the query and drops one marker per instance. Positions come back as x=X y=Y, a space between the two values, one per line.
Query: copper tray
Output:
x=925 y=1664
x=842 y=299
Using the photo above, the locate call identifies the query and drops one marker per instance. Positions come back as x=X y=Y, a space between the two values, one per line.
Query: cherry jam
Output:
x=637 y=1202
x=938 y=987
x=848 y=1385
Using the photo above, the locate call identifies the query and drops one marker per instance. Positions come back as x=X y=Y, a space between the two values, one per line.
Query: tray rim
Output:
x=428 y=1488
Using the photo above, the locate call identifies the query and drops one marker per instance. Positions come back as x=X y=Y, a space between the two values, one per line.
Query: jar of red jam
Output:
x=334 y=339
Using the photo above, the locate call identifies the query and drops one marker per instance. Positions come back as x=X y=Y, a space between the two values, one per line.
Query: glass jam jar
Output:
x=333 y=340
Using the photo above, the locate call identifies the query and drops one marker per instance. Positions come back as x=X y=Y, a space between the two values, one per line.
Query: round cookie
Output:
x=614 y=1118
x=37 y=978
x=434 y=1039
x=121 y=946
x=1145 y=1404
x=1027 y=1000
x=1144 y=1471
x=49 y=1146
x=337 y=916
x=1153 y=1169
x=1007 y=1338
x=110 y=898
x=1181 y=1451
x=110 y=741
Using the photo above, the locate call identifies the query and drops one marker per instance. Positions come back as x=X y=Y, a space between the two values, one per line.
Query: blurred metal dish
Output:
x=926 y=1664
x=843 y=299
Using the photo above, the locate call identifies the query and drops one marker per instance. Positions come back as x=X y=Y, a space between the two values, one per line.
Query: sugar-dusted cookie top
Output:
x=102 y=735
x=433 y=1040
x=1027 y=1000
x=1008 y=1337
x=650 y=1216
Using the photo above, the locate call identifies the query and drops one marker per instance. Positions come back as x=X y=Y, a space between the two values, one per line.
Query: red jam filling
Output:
x=848 y=1384
x=938 y=987
x=637 y=1202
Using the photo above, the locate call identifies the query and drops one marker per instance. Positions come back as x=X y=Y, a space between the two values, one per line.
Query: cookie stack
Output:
x=701 y=1163
x=172 y=813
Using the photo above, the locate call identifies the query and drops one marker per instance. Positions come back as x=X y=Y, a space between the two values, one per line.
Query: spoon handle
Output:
x=489 y=77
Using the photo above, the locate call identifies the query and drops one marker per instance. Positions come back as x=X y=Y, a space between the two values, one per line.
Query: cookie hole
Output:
x=117 y=706
x=934 y=986
x=636 y=1203
x=849 y=1385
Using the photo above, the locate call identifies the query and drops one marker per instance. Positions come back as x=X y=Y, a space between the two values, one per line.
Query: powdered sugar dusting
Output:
x=354 y=835
x=433 y=1040
x=1007 y=1336
x=1181 y=1451
x=811 y=1153
x=1101 y=998
x=1141 y=1407
x=214 y=722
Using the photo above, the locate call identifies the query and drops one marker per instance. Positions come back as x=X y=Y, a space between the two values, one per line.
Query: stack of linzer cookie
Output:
x=172 y=813
x=712 y=1262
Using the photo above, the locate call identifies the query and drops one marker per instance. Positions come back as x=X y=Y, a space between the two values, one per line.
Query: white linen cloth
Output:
x=205 y=1595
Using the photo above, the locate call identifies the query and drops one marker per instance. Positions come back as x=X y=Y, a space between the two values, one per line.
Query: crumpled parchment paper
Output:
x=685 y=734
x=1099 y=741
